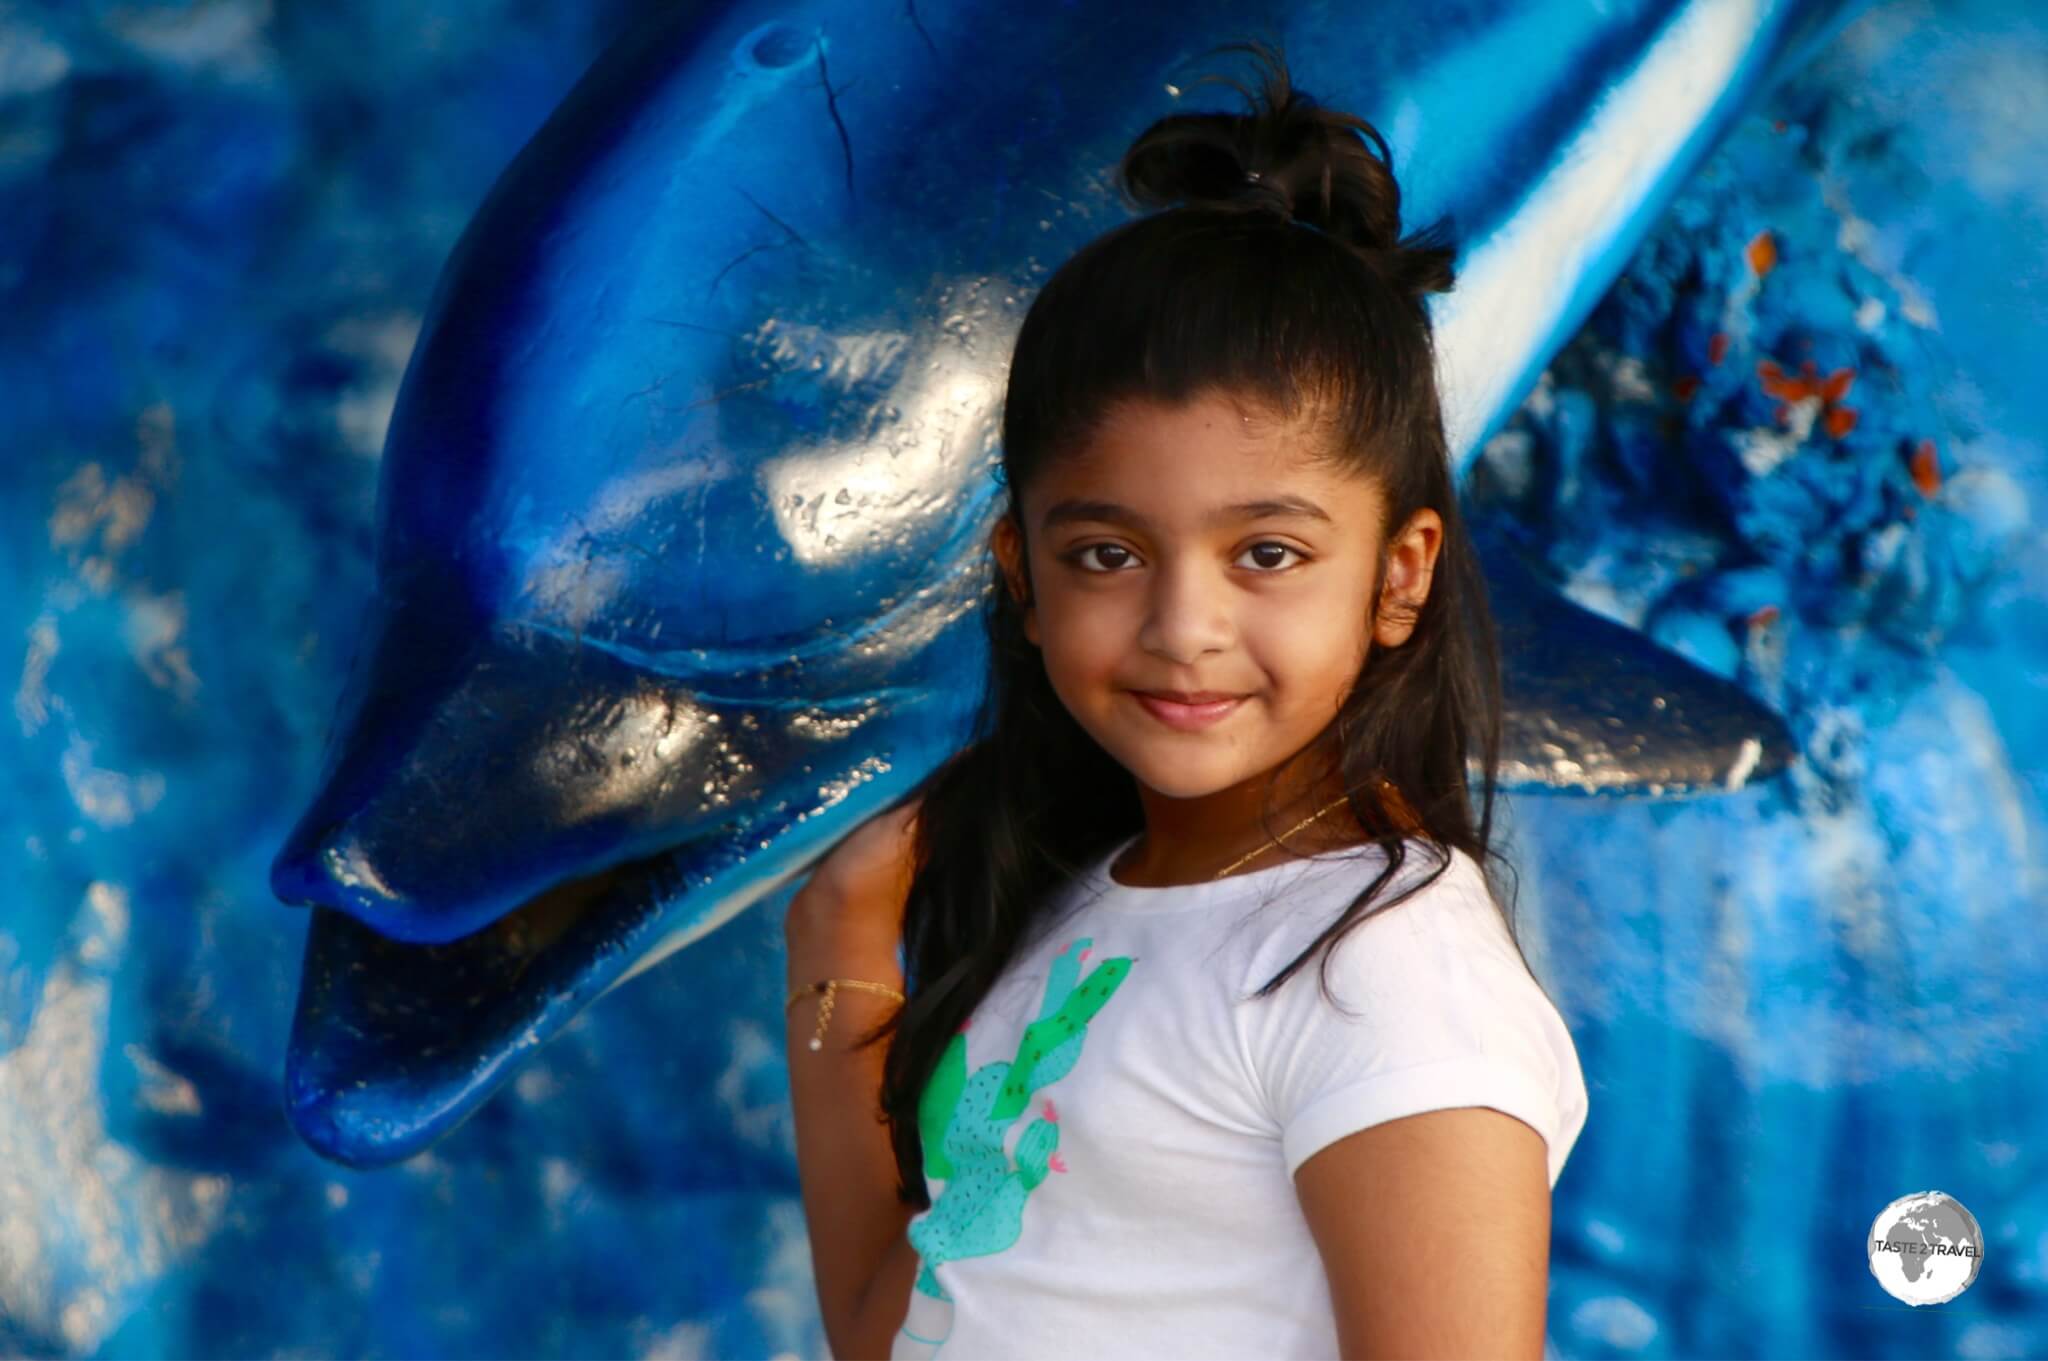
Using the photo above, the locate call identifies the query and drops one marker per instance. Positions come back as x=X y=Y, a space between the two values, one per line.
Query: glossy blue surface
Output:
x=222 y=226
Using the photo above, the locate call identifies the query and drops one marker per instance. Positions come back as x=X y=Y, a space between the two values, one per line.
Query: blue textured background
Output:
x=218 y=226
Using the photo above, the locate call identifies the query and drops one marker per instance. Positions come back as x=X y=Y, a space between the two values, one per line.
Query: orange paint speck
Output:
x=1777 y=383
x=1717 y=347
x=1684 y=387
x=1764 y=618
x=1837 y=385
x=1926 y=469
x=1762 y=253
x=1840 y=420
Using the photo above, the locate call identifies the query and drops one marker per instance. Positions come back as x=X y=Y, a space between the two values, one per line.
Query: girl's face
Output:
x=1201 y=590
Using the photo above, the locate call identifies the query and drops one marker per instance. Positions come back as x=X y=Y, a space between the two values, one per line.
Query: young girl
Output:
x=1239 y=656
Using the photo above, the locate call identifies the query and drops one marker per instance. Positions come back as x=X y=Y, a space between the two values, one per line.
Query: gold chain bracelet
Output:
x=828 y=986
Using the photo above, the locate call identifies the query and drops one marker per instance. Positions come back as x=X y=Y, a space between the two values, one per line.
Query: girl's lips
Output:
x=1186 y=717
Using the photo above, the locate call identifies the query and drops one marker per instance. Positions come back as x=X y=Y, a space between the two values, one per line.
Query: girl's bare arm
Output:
x=846 y=923
x=1434 y=1231
x=845 y=1161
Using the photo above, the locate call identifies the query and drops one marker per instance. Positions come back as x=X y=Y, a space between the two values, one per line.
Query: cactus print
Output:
x=963 y=1119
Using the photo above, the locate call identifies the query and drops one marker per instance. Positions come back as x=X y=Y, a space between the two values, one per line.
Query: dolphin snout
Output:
x=537 y=761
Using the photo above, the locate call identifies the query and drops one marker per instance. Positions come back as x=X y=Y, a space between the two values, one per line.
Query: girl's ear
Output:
x=1006 y=540
x=1411 y=562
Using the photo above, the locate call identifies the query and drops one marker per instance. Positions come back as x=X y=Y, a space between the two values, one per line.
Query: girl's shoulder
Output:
x=1445 y=945
x=1422 y=1005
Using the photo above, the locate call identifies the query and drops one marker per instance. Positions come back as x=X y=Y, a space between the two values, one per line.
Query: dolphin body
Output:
x=683 y=501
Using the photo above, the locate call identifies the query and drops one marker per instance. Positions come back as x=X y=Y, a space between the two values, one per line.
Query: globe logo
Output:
x=1925 y=1248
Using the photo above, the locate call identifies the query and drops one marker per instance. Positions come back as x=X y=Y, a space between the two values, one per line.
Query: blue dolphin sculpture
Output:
x=683 y=503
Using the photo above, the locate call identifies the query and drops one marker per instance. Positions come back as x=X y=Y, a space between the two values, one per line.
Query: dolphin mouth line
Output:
x=535 y=925
x=395 y=1043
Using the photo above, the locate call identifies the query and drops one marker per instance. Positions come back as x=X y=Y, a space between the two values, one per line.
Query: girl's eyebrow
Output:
x=1268 y=508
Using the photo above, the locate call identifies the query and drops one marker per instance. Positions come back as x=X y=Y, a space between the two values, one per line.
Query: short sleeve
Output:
x=1438 y=1012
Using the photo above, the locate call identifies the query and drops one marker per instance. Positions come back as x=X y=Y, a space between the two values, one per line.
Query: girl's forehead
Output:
x=1211 y=416
x=1182 y=461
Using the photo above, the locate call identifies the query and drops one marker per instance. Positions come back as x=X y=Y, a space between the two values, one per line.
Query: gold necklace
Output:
x=1275 y=841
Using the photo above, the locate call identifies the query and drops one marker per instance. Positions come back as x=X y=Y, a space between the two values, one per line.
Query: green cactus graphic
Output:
x=963 y=1119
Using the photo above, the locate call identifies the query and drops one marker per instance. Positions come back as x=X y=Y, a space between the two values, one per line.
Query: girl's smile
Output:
x=1188 y=713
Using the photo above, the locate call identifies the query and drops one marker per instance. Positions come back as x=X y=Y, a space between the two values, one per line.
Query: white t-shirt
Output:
x=1117 y=1128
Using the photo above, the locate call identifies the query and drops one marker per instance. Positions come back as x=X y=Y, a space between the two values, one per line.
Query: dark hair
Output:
x=1307 y=302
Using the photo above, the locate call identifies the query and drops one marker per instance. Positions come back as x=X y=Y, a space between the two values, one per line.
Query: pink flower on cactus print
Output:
x=1052 y=1112
x=1056 y=1162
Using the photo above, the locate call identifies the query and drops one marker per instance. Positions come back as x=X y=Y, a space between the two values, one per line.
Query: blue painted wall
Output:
x=219 y=225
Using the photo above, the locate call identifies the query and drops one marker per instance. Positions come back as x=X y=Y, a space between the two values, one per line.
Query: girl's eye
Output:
x=1270 y=556
x=1117 y=556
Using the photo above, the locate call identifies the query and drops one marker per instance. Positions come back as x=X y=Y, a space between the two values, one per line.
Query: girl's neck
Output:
x=1189 y=841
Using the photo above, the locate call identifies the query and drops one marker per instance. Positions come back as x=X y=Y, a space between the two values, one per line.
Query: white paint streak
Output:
x=1504 y=308
x=1745 y=762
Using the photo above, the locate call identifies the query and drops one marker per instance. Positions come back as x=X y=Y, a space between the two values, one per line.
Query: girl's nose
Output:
x=1187 y=614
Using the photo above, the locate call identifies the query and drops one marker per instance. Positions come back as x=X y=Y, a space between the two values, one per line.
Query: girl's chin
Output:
x=1185 y=777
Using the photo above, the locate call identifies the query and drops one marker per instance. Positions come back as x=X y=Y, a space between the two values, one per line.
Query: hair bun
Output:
x=1291 y=157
